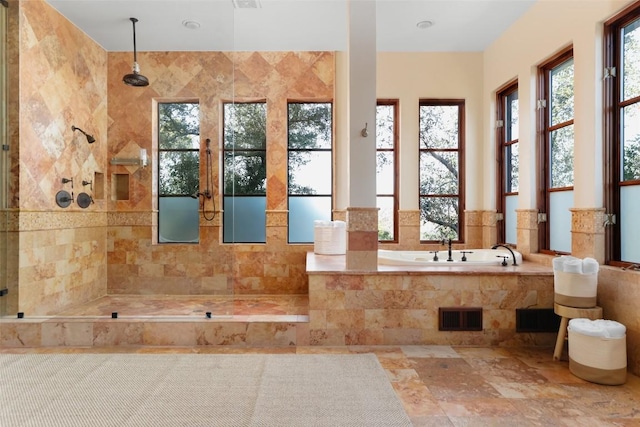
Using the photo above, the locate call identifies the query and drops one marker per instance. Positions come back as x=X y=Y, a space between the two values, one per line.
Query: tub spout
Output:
x=445 y=242
x=500 y=245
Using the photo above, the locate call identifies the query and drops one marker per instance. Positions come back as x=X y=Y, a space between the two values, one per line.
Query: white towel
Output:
x=597 y=328
x=590 y=266
x=573 y=266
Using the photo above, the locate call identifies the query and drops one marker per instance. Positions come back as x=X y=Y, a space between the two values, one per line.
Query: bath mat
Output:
x=196 y=390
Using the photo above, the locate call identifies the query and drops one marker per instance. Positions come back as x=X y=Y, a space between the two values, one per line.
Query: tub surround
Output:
x=399 y=305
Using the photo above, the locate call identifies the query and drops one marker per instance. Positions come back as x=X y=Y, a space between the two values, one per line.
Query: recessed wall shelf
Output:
x=132 y=161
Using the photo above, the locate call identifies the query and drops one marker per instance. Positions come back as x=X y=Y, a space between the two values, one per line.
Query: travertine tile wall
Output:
x=393 y=309
x=60 y=253
x=137 y=264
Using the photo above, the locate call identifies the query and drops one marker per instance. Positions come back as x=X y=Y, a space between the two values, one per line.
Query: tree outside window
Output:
x=178 y=172
x=441 y=154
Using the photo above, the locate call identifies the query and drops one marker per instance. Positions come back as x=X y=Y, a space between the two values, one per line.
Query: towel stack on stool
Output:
x=575 y=283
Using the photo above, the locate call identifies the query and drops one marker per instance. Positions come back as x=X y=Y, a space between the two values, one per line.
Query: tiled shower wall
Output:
x=136 y=263
x=61 y=76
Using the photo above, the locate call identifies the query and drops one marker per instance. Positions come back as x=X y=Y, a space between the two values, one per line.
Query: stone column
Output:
x=587 y=233
x=527 y=228
x=362 y=239
x=409 y=229
x=362 y=213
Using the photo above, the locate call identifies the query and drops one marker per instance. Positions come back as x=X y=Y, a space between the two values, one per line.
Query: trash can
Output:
x=330 y=237
x=598 y=351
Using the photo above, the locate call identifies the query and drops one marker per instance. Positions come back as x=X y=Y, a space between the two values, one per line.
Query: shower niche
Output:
x=120 y=186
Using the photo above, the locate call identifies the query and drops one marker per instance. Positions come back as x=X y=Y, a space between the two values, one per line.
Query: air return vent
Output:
x=460 y=318
x=537 y=320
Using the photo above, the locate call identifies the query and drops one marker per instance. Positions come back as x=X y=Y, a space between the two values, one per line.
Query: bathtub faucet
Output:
x=445 y=242
x=500 y=245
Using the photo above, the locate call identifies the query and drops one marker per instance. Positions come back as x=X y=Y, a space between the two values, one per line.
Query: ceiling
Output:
x=289 y=25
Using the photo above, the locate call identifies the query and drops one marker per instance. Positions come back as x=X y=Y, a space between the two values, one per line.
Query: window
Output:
x=387 y=169
x=556 y=121
x=309 y=189
x=245 y=172
x=622 y=147
x=508 y=162
x=441 y=169
x=178 y=172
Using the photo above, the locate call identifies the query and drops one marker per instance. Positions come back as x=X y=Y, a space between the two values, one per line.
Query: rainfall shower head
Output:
x=135 y=78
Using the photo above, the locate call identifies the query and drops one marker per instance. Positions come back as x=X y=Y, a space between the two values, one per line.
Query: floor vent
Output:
x=460 y=318
x=537 y=320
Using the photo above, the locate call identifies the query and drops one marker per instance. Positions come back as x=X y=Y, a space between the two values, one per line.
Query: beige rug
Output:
x=196 y=390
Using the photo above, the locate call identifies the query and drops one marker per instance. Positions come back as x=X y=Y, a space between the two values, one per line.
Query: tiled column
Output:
x=527 y=224
x=362 y=239
x=409 y=229
x=587 y=233
x=473 y=229
x=489 y=228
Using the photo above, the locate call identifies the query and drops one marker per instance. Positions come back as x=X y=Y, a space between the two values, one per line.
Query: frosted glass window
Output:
x=511 y=220
x=244 y=219
x=178 y=220
x=303 y=211
x=309 y=163
x=560 y=220
x=629 y=224
x=178 y=171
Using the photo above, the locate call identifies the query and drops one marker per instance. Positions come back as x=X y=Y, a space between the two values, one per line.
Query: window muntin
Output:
x=557 y=147
x=441 y=169
x=622 y=148
x=245 y=172
x=178 y=171
x=508 y=170
x=310 y=171
x=386 y=169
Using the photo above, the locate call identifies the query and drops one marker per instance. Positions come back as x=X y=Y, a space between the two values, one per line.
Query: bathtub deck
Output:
x=321 y=264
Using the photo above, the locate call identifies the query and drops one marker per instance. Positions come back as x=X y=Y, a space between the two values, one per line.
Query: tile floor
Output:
x=438 y=385
x=470 y=386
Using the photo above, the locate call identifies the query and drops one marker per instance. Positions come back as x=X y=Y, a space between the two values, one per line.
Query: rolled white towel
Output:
x=558 y=263
x=597 y=328
x=573 y=266
x=590 y=266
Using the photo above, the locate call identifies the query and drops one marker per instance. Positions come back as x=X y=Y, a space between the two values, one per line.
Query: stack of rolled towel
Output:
x=575 y=281
x=570 y=264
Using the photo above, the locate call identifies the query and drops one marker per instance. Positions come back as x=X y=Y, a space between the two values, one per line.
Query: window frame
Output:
x=395 y=103
x=461 y=104
x=159 y=164
x=332 y=157
x=502 y=96
x=224 y=150
x=612 y=131
x=544 y=189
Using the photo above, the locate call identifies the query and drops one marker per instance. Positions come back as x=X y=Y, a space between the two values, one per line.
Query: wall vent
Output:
x=460 y=318
x=537 y=320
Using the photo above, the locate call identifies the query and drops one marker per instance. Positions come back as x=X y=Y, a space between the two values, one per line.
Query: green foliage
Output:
x=179 y=132
x=439 y=133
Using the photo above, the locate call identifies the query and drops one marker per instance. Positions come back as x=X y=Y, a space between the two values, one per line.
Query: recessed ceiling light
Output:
x=424 y=24
x=192 y=25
